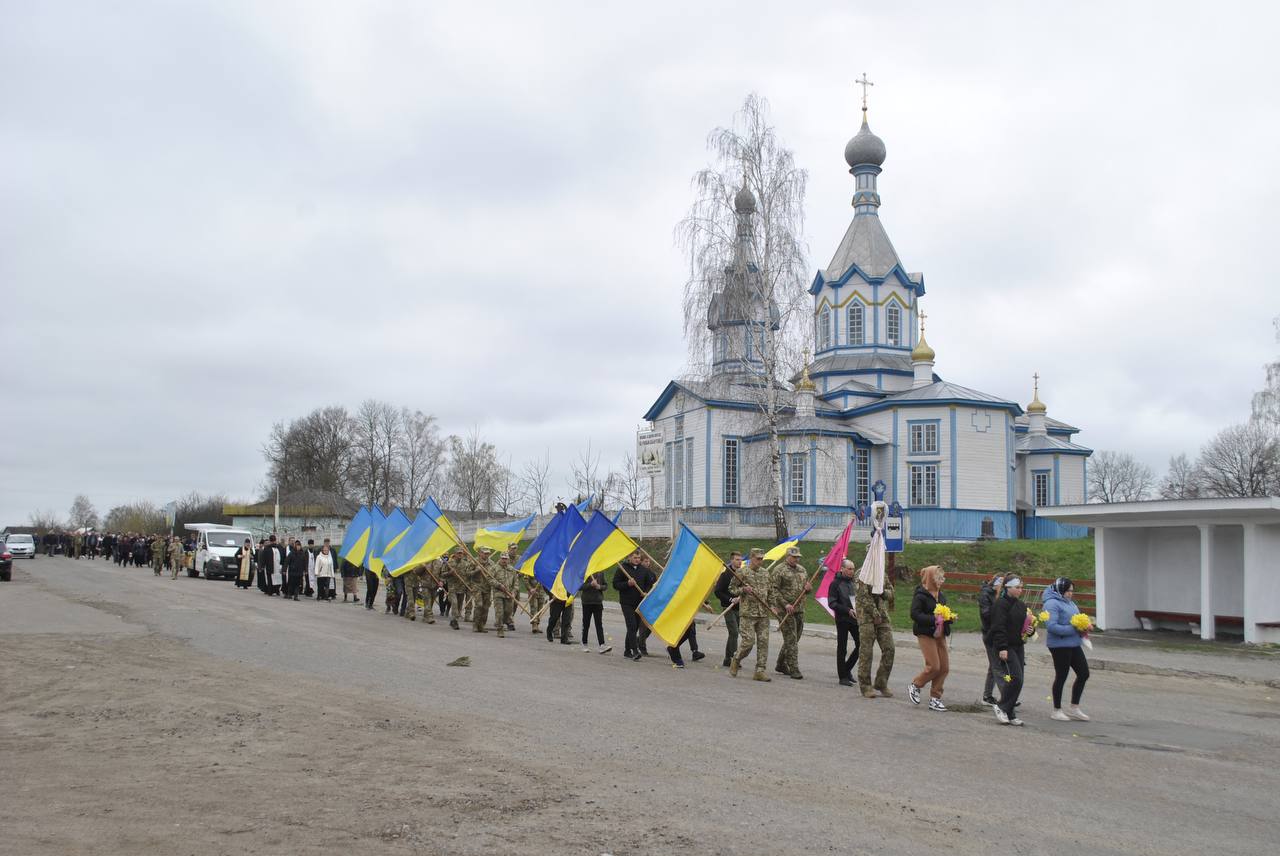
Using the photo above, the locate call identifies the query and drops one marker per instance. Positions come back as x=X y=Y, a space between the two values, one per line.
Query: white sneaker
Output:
x=1001 y=717
x=936 y=704
x=605 y=649
x=914 y=692
x=1059 y=716
x=1015 y=721
x=1077 y=714
x=585 y=649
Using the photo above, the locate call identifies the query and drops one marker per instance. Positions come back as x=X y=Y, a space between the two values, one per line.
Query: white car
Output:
x=21 y=546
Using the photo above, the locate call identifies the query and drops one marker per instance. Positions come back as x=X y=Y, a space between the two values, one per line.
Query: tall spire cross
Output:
x=922 y=317
x=1036 y=378
x=864 y=83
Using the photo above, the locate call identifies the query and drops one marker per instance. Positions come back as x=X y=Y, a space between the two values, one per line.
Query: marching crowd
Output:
x=467 y=588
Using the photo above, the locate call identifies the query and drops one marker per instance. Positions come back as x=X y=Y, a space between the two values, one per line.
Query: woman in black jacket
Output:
x=931 y=633
x=1008 y=617
x=986 y=601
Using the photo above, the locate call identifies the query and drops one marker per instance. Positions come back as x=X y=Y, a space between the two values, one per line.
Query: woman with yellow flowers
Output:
x=1066 y=629
x=1008 y=619
x=931 y=622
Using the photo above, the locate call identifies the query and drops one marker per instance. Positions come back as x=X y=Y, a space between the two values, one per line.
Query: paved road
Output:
x=651 y=759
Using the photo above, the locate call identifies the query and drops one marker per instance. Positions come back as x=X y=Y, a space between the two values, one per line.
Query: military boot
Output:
x=733 y=667
x=453 y=622
x=867 y=692
x=761 y=676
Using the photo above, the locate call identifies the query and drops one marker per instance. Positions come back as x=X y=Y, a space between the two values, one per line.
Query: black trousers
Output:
x=636 y=631
x=370 y=588
x=324 y=588
x=989 y=685
x=1012 y=688
x=293 y=582
x=1065 y=660
x=593 y=612
x=560 y=614
x=845 y=664
x=690 y=636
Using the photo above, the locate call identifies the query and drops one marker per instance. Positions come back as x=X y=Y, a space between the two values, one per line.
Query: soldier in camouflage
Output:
x=458 y=581
x=175 y=557
x=788 y=584
x=503 y=587
x=751 y=586
x=872 y=611
x=480 y=583
x=537 y=600
x=157 y=554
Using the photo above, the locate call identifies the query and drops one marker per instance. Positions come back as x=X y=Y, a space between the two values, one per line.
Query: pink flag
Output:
x=839 y=550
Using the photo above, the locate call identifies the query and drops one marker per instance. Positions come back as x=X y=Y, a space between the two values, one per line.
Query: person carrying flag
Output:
x=788 y=584
x=729 y=604
x=751 y=587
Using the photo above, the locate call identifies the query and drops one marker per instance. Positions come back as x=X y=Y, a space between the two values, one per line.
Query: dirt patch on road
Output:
x=140 y=745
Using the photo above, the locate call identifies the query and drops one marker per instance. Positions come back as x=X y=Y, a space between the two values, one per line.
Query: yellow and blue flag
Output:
x=387 y=536
x=601 y=545
x=777 y=552
x=585 y=506
x=499 y=535
x=425 y=541
x=690 y=575
x=436 y=514
x=546 y=569
x=530 y=556
x=355 y=543
x=377 y=517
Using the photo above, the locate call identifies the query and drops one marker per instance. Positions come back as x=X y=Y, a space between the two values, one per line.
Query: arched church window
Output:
x=824 y=329
x=855 y=323
x=893 y=325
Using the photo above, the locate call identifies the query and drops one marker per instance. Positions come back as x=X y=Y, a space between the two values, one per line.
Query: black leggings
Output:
x=590 y=612
x=370 y=588
x=1064 y=660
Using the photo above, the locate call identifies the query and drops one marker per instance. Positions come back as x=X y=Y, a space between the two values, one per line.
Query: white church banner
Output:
x=649 y=452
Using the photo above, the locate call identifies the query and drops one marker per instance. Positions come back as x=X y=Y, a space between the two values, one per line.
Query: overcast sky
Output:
x=218 y=215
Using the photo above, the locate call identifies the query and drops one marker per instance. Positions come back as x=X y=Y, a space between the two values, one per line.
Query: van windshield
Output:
x=228 y=538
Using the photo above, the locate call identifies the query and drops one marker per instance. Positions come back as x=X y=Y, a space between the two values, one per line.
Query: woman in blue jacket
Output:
x=1066 y=646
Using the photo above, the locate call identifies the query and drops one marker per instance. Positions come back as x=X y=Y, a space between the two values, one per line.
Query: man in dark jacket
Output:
x=297 y=569
x=987 y=600
x=1008 y=617
x=633 y=579
x=730 y=603
x=840 y=602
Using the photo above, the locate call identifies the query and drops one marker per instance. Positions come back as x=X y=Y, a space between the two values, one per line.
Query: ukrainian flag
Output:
x=776 y=553
x=585 y=506
x=497 y=537
x=434 y=512
x=389 y=534
x=530 y=556
x=601 y=545
x=376 y=519
x=425 y=541
x=551 y=558
x=356 y=542
x=690 y=575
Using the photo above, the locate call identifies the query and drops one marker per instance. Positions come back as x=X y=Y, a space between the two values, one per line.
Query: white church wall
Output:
x=981 y=453
x=942 y=457
x=1071 y=488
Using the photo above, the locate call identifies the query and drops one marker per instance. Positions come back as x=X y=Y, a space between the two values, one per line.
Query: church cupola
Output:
x=865 y=155
x=740 y=310
x=922 y=360
x=1036 y=411
x=805 y=392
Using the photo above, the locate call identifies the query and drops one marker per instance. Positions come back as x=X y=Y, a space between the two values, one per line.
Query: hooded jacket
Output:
x=986 y=600
x=1058 y=630
x=923 y=622
x=1007 y=619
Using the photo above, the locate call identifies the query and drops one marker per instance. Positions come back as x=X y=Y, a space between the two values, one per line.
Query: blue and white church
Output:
x=868 y=409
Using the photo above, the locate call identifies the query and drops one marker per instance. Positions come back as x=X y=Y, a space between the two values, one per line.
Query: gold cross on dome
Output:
x=1036 y=378
x=922 y=317
x=864 y=83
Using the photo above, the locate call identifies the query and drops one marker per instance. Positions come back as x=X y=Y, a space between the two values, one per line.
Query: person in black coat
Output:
x=729 y=604
x=931 y=635
x=986 y=601
x=296 y=566
x=840 y=602
x=633 y=579
x=1008 y=617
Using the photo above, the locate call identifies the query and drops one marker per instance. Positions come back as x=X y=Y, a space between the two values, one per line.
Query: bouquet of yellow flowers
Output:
x=1043 y=616
x=1083 y=624
x=947 y=613
x=942 y=615
x=1029 y=625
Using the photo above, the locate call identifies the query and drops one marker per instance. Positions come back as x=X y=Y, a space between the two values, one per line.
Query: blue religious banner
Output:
x=894 y=534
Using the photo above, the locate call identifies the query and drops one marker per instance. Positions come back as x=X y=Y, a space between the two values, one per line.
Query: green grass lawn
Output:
x=1072 y=558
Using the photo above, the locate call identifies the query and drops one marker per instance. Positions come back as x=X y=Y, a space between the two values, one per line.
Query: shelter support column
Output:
x=1252 y=572
x=1100 y=577
x=1208 y=630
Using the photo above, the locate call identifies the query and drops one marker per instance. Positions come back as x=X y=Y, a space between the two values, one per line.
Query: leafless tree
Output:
x=315 y=451
x=747 y=261
x=141 y=517
x=633 y=484
x=82 y=514
x=535 y=479
x=508 y=492
x=197 y=508
x=587 y=479
x=1266 y=402
x=473 y=472
x=45 y=521
x=1243 y=460
x=1118 y=477
x=1182 y=481
x=379 y=441
x=423 y=458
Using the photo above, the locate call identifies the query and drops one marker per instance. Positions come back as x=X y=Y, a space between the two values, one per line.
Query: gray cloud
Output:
x=216 y=216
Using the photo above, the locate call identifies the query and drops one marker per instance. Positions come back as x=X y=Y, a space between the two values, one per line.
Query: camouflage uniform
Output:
x=480 y=582
x=504 y=576
x=412 y=591
x=157 y=554
x=175 y=557
x=872 y=611
x=426 y=588
x=753 y=618
x=458 y=580
x=786 y=586
x=537 y=600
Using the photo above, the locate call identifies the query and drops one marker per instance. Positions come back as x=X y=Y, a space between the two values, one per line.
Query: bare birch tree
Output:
x=1118 y=477
x=82 y=514
x=633 y=484
x=746 y=254
x=508 y=493
x=473 y=471
x=1183 y=479
x=588 y=480
x=1266 y=402
x=1243 y=460
x=535 y=478
x=423 y=457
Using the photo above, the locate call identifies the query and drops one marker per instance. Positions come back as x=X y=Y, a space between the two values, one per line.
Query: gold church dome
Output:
x=1036 y=405
x=922 y=352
